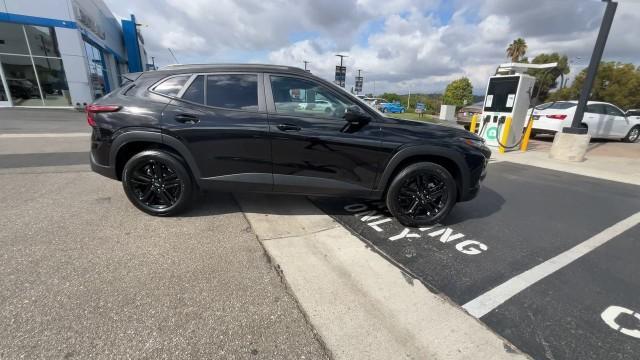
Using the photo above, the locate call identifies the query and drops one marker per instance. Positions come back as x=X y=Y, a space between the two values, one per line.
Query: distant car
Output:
x=394 y=108
x=602 y=120
x=318 y=105
x=22 y=88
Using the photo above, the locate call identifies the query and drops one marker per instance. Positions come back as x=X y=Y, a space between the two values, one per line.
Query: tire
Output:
x=633 y=135
x=328 y=110
x=157 y=183
x=421 y=194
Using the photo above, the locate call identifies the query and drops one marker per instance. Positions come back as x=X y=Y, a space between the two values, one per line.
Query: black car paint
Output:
x=265 y=151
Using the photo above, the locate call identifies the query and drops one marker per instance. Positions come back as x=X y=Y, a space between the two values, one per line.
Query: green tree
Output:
x=517 y=49
x=459 y=93
x=548 y=79
x=391 y=97
x=615 y=82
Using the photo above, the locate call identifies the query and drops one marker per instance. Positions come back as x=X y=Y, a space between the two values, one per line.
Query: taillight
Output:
x=557 y=117
x=95 y=108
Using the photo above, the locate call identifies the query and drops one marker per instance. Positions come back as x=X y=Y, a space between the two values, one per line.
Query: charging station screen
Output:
x=499 y=89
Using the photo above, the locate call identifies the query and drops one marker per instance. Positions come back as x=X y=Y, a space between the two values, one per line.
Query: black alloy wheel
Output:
x=157 y=183
x=422 y=194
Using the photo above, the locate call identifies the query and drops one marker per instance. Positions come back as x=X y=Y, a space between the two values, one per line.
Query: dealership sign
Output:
x=341 y=75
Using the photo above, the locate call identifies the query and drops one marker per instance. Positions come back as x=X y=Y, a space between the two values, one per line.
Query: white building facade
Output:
x=64 y=53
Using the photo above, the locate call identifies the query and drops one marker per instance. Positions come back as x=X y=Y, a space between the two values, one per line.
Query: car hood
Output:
x=414 y=130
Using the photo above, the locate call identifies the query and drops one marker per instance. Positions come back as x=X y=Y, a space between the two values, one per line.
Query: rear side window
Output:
x=195 y=91
x=233 y=91
x=172 y=86
x=633 y=113
x=596 y=109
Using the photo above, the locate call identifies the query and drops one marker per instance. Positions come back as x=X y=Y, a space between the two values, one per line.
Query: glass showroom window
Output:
x=97 y=77
x=31 y=66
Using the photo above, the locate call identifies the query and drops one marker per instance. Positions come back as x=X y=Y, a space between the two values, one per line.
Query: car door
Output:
x=222 y=120
x=620 y=124
x=595 y=118
x=315 y=151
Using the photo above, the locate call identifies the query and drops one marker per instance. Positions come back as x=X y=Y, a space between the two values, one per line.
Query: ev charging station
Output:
x=506 y=103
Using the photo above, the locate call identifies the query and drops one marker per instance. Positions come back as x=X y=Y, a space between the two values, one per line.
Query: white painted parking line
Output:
x=488 y=301
x=43 y=135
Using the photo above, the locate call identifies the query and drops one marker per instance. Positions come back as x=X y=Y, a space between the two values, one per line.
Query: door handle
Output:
x=289 y=127
x=187 y=119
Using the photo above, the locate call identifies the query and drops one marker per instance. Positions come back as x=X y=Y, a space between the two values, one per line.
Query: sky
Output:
x=401 y=45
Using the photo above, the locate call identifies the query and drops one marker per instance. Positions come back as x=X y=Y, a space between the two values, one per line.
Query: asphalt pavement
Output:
x=84 y=274
x=525 y=221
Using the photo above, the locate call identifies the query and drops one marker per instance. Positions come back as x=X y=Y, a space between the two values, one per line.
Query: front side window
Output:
x=233 y=91
x=293 y=96
x=172 y=86
x=613 y=111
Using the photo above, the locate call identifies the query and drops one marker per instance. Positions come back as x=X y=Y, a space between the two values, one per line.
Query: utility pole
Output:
x=305 y=64
x=153 y=62
x=596 y=57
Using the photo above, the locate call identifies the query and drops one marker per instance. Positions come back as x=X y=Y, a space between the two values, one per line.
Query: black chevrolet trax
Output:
x=262 y=128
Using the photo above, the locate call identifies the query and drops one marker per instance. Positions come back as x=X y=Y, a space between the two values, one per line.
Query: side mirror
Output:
x=355 y=115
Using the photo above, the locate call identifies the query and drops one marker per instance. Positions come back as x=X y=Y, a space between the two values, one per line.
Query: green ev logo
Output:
x=492 y=133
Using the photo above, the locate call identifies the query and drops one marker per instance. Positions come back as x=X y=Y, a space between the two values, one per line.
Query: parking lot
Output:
x=524 y=237
x=546 y=259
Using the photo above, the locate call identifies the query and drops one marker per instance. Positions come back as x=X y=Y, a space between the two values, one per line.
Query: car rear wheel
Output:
x=421 y=194
x=157 y=183
x=632 y=135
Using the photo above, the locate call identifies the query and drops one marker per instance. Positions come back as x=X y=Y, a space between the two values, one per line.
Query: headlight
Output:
x=479 y=143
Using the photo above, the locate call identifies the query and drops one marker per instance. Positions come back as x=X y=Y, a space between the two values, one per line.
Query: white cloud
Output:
x=402 y=45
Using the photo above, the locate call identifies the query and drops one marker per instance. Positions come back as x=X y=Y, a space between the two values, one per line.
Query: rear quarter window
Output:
x=172 y=85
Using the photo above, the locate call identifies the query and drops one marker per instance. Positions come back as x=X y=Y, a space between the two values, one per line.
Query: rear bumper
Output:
x=548 y=126
x=103 y=170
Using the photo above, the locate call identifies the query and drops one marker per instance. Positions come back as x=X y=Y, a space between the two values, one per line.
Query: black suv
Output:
x=266 y=128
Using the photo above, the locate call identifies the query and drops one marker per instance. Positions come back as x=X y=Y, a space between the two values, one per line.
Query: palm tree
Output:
x=517 y=49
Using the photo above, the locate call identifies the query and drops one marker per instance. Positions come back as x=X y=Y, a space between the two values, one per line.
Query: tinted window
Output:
x=596 y=109
x=633 y=113
x=613 y=111
x=233 y=91
x=172 y=86
x=302 y=97
x=195 y=92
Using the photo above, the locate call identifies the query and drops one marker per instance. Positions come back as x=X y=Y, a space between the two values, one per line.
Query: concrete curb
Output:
x=362 y=306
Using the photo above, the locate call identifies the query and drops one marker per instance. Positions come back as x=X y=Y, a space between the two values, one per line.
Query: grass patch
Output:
x=414 y=116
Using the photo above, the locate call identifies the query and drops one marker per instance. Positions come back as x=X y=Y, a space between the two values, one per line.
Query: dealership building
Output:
x=64 y=53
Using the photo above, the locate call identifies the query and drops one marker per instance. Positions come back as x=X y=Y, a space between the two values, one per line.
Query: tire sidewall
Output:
x=186 y=188
x=422 y=167
x=628 y=137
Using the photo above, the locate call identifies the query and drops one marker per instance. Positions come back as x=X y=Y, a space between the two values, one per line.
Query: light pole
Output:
x=343 y=72
x=607 y=20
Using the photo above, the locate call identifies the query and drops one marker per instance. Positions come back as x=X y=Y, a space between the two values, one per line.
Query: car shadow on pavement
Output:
x=211 y=203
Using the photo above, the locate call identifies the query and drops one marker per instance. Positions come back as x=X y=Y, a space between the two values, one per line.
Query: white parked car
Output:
x=318 y=105
x=602 y=120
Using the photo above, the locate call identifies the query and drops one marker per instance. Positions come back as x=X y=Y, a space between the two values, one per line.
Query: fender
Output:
x=426 y=150
x=127 y=136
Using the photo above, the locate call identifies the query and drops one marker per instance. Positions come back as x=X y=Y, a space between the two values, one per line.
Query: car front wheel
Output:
x=157 y=183
x=421 y=194
x=632 y=135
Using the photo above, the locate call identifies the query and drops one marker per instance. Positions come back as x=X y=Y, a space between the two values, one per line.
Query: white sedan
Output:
x=602 y=120
x=318 y=106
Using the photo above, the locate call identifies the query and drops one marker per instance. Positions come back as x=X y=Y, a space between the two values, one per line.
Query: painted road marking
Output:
x=43 y=135
x=488 y=301
x=610 y=315
x=368 y=214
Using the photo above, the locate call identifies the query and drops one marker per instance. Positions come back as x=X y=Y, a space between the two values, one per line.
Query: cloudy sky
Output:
x=401 y=45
